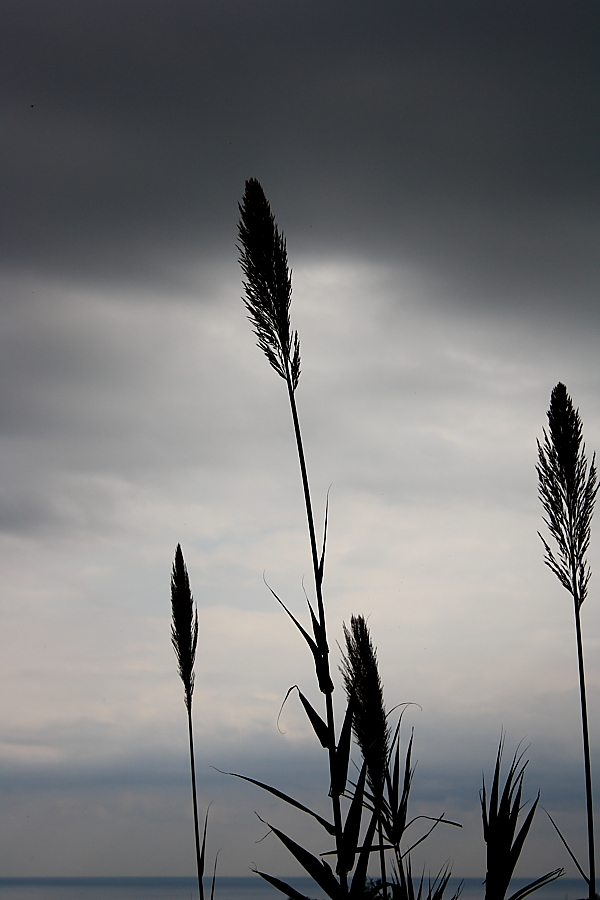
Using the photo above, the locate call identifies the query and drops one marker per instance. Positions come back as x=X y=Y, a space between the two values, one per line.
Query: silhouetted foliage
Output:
x=504 y=843
x=382 y=786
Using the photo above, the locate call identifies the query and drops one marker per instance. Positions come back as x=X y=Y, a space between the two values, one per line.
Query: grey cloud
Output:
x=457 y=137
x=157 y=783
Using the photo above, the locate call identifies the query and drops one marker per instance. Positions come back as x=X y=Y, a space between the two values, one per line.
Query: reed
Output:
x=268 y=292
x=184 y=637
x=567 y=490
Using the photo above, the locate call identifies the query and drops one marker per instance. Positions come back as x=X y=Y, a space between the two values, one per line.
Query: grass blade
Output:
x=318 y=870
x=342 y=753
x=320 y=727
x=537 y=884
x=568 y=849
x=214 y=877
x=321 y=666
x=286 y=889
x=202 y=856
x=290 y=800
x=360 y=873
x=352 y=825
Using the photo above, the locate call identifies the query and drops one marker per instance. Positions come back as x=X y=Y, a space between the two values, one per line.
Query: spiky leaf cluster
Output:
x=567 y=489
x=268 y=284
x=184 y=625
x=500 y=824
x=363 y=686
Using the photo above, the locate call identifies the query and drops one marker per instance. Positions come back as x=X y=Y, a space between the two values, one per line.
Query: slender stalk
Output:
x=586 y=759
x=199 y=865
x=318 y=577
x=184 y=637
x=307 y=500
x=382 y=861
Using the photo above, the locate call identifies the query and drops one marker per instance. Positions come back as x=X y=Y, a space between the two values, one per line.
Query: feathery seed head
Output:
x=184 y=625
x=566 y=432
x=363 y=686
x=567 y=490
x=268 y=284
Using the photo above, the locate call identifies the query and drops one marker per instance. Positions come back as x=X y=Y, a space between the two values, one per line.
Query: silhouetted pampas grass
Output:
x=268 y=285
x=184 y=637
x=371 y=730
x=363 y=686
x=567 y=489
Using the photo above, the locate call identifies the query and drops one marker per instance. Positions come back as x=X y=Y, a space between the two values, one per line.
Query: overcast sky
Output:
x=434 y=166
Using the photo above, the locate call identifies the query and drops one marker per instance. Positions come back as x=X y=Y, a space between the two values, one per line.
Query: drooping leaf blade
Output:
x=568 y=849
x=321 y=668
x=318 y=870
x=286 y=889
x=329 y=828
x=537 y=884
x=320 y=727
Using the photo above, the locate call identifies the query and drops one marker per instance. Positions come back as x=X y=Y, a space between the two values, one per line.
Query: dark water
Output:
x=247 y=888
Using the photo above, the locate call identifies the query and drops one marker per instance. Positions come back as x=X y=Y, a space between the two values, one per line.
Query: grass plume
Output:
x=371 y=730
x=567 y=490
x=268 y=284
x=363 y=686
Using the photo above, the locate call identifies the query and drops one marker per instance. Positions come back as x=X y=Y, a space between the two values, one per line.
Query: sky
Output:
x=434 y=167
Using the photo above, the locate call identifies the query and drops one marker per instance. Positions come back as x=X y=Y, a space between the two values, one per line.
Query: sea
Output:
x=240 y=888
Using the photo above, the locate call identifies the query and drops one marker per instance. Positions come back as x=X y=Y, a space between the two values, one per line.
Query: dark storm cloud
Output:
x=461 y=136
